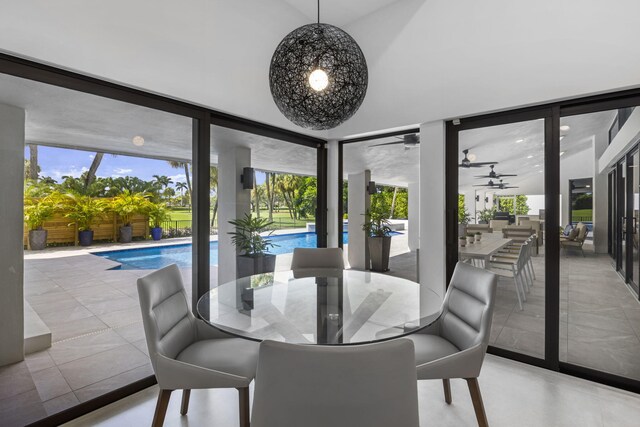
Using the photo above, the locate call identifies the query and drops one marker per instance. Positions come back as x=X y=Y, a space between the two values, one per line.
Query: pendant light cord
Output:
x=318 y=11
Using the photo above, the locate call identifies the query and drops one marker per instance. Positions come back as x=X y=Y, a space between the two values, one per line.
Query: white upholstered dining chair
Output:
x=185 y=352
x=455 y=345
x=372 y=385
x=317 y=261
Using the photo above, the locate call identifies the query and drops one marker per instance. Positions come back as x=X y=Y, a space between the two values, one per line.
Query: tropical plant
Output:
x=248 y=238
x=37 y=211
x=376 y=223
x=486 y=215
x=180 y=165
x=128 y=204
x=158 y=213
x=84 y=210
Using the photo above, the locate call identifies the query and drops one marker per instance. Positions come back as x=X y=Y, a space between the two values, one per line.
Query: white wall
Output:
x=11 y=262
x=428 y=60
x=432 y=207
x=233 y=203
x=334 y=227
x=439 y=59
x=359 y=201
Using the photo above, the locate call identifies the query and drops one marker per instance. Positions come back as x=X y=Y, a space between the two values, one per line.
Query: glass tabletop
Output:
x=341 y=307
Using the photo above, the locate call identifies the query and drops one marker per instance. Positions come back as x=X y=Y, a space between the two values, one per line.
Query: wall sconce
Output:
x=486 y=200
x=371 y=187
x=477 y=197
x=247 y=178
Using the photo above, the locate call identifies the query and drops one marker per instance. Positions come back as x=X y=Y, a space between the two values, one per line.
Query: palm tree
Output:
x=182 y=187
x=270 y=186
x=177 y=165
x=162 y=181
x=393 y=201
x=213 y=186
x=91 y=173
x=34 y=168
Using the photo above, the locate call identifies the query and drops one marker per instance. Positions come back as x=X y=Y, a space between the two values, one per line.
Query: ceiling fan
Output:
x=494 y=174
x=500 y=185
x=410 y=141
x=466 y=163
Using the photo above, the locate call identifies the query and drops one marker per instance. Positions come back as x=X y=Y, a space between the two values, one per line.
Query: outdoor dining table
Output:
x=345 y=307
x=489 y=244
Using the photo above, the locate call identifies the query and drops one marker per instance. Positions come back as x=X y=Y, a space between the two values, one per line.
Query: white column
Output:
x=11 y=229
x=233 y=203
x=432 y=206
x=359 y=201
x=413 y=234
x=334 y=227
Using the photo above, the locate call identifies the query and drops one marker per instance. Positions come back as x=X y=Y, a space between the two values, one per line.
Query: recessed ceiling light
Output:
x=535 y=166
x=471 y=157
x=540 y=171
x=565 y=128
x=519 y=141
x=588 y=186
x=138 y=141
x=561 y=153
x=529 y=157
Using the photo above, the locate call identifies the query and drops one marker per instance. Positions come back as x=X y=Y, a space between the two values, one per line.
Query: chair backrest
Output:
x=370 y=385
x=169 y=325
x=532 y=223
x=483 y=228
x=468 y=306
x=317 y=258
x=582 y=232
x=498 y=224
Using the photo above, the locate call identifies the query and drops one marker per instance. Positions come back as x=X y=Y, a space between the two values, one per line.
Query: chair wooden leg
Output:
x=244 y=406
x=161 y=408
x=185 y=401
x=447 y=390
x=476 y=398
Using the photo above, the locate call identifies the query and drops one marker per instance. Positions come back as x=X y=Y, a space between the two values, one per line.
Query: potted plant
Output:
x=158 y=213
x=463 y=241
x=126 y=205
x=83 y=211
x=252 y=246
x=379 y=237
x=485 y=215
x=463 y=219
x=470 y=238
x=36 y=212
x=478 y=236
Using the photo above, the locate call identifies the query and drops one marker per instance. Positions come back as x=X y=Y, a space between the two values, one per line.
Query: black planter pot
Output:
x=248 y=265
x=156 y=233
x=379 y=249
x=85 y=237
x=37 y=239
x=126 y=234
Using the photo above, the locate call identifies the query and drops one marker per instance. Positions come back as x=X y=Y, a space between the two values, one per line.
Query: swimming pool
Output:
x=161 y=256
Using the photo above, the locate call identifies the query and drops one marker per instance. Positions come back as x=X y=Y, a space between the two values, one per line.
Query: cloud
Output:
x=122 y=171
x=178 y=178
x=72 y=171
x=91 y=156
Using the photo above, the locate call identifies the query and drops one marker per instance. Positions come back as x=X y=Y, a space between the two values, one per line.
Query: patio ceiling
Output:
x=518 y=148
x=66 y=118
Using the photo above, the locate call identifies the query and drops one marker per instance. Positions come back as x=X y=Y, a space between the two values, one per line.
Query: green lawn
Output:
x=582 y=215
x=281 y=219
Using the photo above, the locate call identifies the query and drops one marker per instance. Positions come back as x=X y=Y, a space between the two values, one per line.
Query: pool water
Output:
x=158 y=257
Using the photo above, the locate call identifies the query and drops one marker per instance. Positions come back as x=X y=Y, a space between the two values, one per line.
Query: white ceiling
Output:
x=518 y=147
x=389 y=164
x=338 y=12
x=66 y=118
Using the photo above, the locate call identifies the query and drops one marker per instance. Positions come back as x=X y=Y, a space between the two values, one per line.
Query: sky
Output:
x=59 y=162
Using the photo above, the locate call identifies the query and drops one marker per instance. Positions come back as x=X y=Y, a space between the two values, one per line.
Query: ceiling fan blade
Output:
x=480 y=164
x=387 y=143
x=484 y=176
x=507 y=174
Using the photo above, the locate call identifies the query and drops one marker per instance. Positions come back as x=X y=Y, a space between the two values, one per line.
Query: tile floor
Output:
x=514 y=395
x=98 y=340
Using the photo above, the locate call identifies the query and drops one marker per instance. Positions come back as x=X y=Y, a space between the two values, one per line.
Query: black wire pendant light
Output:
x=318 y=76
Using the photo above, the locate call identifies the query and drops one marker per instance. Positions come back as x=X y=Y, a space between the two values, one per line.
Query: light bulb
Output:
x=318 y=80
x=138 y=141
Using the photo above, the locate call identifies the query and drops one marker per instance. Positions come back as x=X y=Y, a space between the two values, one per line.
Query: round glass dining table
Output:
x=331 y=308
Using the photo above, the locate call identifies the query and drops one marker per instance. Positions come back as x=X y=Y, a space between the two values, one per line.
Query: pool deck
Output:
x=93 y=313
